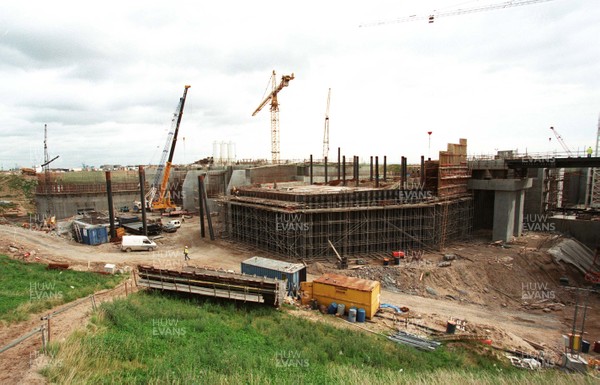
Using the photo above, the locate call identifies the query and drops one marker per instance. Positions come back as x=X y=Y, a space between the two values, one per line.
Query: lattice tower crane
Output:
x=285 y=80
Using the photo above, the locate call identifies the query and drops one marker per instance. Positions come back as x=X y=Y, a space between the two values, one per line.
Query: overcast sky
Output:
x=107 y=76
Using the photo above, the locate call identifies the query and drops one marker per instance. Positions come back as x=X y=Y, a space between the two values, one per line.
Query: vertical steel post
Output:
x=111 y=213
x=384 y=167
x=377 y=171
x=422 y=171
x=143 y=198
x=310 y=167
x=338 y=168
x=201 y=207
x=344 y=170
x=207 y=209
x=325 y=160
x=356 y=178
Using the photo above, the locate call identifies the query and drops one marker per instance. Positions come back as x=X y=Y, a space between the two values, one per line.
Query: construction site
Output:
x=493 y=256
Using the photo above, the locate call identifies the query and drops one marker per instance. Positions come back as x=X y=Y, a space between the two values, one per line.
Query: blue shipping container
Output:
x=94 y=235
x=293 y=273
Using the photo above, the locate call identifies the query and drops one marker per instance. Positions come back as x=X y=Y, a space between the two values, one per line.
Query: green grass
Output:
x=27 y=288
x=151 y=338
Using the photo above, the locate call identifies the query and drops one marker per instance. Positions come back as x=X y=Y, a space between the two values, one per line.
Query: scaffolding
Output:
x=358 y=221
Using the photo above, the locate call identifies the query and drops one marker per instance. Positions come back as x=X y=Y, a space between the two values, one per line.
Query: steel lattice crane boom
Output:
x=326 y=131
x=434 y=15
x=285 y=80
x=164 y=199
x=562 y=142
x=151 y=194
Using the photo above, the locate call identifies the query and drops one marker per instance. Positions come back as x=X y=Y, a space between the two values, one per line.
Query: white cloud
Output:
x=107 y=79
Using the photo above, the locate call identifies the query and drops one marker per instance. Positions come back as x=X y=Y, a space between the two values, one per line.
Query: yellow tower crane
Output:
x=285 y=80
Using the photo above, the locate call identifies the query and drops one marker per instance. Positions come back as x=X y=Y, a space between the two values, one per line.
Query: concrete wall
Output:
x=190 y=192
x=270 y=174
x=586 y=232
x=64 y=206
x=534 y=197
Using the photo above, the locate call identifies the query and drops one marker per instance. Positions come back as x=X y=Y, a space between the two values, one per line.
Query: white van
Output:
x=176 y=223
x=137 y=242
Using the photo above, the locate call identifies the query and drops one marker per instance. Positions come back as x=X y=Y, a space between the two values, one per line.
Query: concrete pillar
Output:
x=509 y=201
x=504 y=215
x=519 y=205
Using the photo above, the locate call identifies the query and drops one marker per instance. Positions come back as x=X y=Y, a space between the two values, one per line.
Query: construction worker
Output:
x=185 y=253
x=590 y=152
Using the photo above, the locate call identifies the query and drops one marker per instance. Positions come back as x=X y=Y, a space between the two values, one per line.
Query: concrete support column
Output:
x=519 y=205
x=504 y=215
x=509 y=201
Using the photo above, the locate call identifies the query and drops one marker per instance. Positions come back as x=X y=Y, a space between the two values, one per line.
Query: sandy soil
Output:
x=484 y=286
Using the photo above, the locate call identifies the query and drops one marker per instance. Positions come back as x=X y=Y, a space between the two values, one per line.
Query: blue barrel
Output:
x=332 y=308
x=585 y=346
x=361 y=315
x=450 y=327
x=352 y=314
x=341 y=308
x=314 y=304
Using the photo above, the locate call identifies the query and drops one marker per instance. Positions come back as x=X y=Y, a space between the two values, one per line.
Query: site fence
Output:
x=44 y=330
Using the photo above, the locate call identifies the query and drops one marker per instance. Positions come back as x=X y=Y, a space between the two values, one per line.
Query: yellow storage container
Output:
x=306 y=292
x=357 y=292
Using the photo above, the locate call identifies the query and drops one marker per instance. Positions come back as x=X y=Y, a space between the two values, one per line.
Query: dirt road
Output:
x=20 y=364
x=487 y=312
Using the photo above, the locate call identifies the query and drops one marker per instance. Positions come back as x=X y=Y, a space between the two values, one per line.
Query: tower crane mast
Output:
x=285 y=80
x=326 y=131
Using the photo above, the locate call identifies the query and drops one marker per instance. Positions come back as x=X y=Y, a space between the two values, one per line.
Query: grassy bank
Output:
x=156 y=339
x=27 y=288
